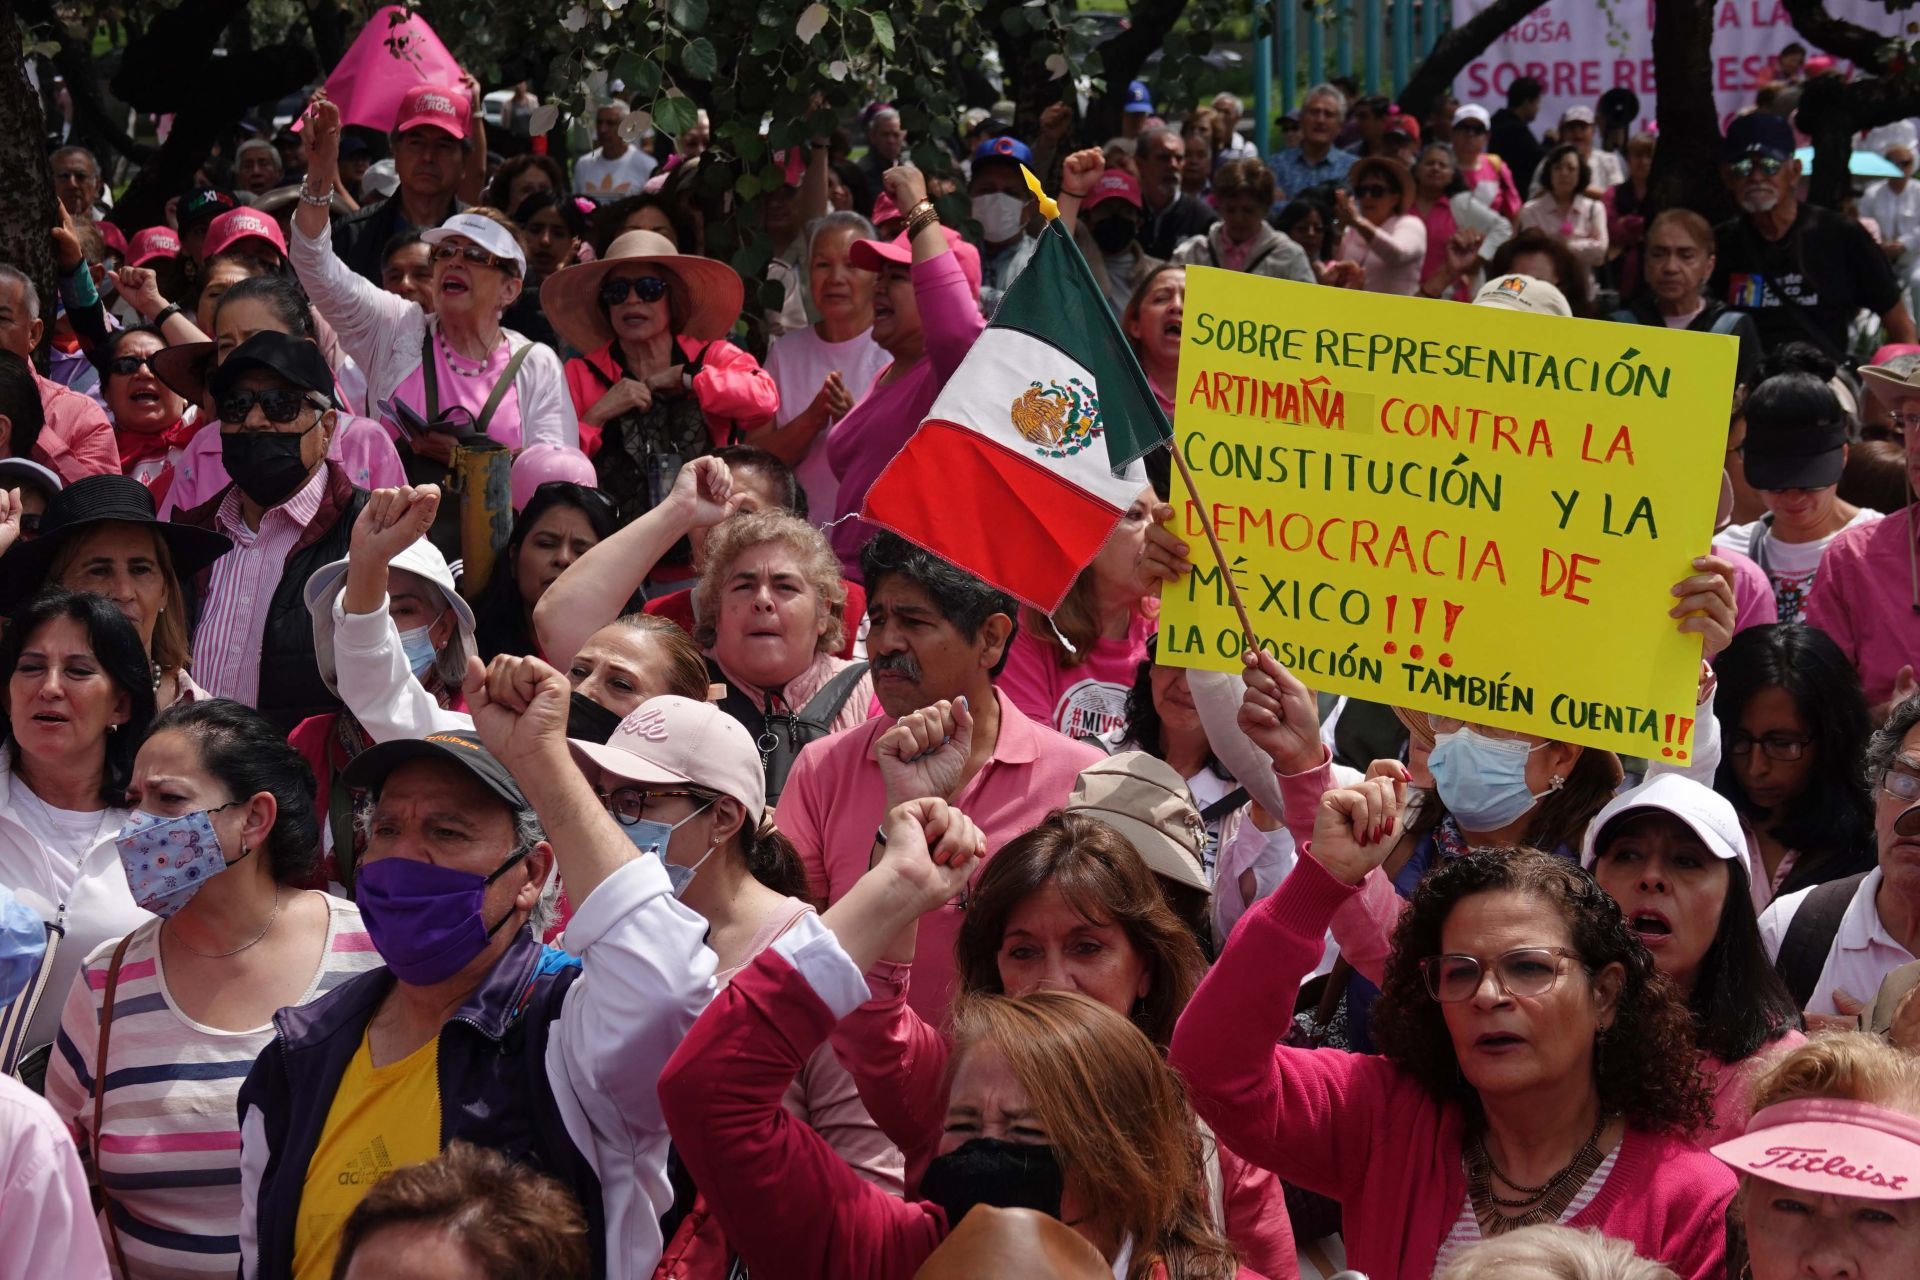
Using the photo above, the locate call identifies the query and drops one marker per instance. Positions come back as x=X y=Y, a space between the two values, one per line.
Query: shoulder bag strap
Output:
x=824 y=706
x=100 y=1092
x=500 y=388
x=1803 y=952
x=1225 y=805
x=429 y=376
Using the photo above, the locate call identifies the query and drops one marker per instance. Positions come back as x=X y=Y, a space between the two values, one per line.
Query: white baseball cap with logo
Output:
x=1523 y=293
x=670 y=740
x=485 y=232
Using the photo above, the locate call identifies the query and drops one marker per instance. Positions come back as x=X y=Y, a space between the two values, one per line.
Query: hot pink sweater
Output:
x=1357 y=1128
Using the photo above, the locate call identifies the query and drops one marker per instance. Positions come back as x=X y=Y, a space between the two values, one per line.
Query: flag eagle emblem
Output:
x=1058 y=420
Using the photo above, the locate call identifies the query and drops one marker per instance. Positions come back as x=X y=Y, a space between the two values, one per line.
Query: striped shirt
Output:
x=240 y=587
x=170 y=1145
x=1466 y=1228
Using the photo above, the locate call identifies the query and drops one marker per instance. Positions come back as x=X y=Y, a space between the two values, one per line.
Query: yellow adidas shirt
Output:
x=382 y=1118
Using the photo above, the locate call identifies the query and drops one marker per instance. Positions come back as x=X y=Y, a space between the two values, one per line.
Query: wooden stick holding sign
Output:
x=1219 y=556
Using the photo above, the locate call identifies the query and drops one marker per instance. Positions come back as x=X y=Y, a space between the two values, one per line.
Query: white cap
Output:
x=485 y=232
x=1706 y=812
x=379 y=181
x=1472 y=111
x=669 y=739
x=1523 y=293
x=1577 y=115
x=329 y=580
x=26 y=469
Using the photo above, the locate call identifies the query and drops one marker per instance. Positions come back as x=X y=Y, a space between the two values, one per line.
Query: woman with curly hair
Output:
x=1535 y=1067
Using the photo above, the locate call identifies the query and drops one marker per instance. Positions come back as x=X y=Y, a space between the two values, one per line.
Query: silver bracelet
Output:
x=323 y=201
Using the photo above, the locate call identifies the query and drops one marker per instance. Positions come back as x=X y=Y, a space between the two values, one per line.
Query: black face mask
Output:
x=265 y=464
x=1006 y=1175
x=1114 y=234
x=588 y=721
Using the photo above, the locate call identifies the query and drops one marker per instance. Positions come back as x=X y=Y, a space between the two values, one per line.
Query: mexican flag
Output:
x=1031 y=453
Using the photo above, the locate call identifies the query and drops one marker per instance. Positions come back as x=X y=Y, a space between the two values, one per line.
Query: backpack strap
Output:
x=1225 y=805
x=429 y=376
x=1803 y=952
x=501 y=387
x=100 y=1092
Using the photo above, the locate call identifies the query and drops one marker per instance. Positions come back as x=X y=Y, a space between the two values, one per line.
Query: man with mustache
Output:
x=1801 y=271
x=938 y=638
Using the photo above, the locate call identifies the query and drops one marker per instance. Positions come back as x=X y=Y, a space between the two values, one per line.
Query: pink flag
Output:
x=395 y=51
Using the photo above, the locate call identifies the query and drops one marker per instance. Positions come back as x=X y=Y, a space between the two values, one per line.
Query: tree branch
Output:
x=1121 y=57
x=1686 y=165
x=1456 y=49
x=74 y=60
x=1865 y=49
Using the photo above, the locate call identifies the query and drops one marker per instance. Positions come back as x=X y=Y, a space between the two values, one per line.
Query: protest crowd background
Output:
x=523 y=757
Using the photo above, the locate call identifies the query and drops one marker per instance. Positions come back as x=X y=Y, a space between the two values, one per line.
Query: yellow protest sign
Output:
x=1478 y=511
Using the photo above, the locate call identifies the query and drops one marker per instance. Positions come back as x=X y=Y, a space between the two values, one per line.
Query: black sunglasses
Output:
x=280 y=404
x=1372 y=191
x=124 y=365
x=614 y=289
x=1767 y=165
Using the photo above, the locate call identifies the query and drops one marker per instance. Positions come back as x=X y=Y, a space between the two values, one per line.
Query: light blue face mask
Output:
x=418 y=646
x=1481 y=780
x=651 y=837
x=23 y=940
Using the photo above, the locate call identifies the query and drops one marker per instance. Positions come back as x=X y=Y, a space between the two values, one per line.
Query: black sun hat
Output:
x=92 y=501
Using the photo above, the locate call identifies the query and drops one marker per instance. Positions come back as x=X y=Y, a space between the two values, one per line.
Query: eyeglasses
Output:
x=1372 y=191
x=1766 y=165
x=614 y=289
x=1776 y=746
x=1904 y=787
x=1905 y=421
x=1523 y=973
x=1442 y=725
x=628 y=805
x=475 y=255
x=281 y=405
x=124 y=365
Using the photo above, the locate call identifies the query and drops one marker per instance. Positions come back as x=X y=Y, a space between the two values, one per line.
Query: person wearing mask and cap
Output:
x=1003 y=207
x=46 y=1210
x=1795 y=450
x=1803 y=272
x=557 y=1054
x=288 y=511
x=431 y=139
x=1103 y=215
x=1867 y=596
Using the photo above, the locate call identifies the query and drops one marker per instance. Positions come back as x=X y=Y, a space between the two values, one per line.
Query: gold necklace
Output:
x=221 y=955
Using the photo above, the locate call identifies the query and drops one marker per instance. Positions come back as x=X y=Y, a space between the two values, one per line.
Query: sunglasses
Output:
x=475 y=255
x=614 y=289
x=281 y=405
x=1372 y=191
x=1767 y=166
x=124 y=365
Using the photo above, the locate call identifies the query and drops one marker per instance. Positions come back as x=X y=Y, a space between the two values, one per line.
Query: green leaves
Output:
x=882 y=30
x=688 y=15
x=674 y=116
x=700 y=58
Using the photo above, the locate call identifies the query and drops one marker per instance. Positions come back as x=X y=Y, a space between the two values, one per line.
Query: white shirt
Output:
x=603 y=179
x=1863 y=951
x=798 y=362
x=1789 y=566
x=1898 y=214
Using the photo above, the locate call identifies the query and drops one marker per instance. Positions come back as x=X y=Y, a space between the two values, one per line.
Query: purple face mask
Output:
x=426 y=920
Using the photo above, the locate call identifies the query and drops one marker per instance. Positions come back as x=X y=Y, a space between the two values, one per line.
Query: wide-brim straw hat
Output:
x=1889 y=386
x=571 y=297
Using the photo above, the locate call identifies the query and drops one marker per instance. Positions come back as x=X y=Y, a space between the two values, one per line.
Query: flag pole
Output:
x=1051 y=212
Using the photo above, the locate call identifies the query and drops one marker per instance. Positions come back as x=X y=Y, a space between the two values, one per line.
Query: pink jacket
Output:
x=899 y=1062
x=1357 y=1128
x=77 y=440
x=734 y=391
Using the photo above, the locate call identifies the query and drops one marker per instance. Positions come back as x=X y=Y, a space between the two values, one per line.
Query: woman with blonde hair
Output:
x=1056 y=1102
x=1552 y=1253
x=1829 y=1165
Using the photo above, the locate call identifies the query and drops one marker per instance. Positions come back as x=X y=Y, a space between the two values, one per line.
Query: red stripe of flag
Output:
x=1003 y=517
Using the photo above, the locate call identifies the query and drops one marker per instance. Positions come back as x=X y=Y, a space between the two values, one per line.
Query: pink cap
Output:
x=236 y=225
x=874 y=255
x=885 y=210
x=1831 y=1146
x=115 y=239
x=1894 y=350
x=435 y=106
x=152 y=244
x=545 y=462
x=1114 y=184
x=670 y=739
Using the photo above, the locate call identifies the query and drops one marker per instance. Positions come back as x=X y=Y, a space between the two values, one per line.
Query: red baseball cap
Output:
x=114 y=238
x=874 y=255
x=152 y=244
x=1114 y=184
x=236 y=225
x=434 y=106
x=1399 y=121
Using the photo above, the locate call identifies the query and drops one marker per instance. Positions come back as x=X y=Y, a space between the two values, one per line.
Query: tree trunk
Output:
x=74 y=60
x=27 y=210
x=1864 y=48
x=1686 y=166
x=1121 y=57
x=1456 y=49
x=1832 y=110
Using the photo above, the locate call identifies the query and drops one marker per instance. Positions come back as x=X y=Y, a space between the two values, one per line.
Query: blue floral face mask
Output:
x=168 y=859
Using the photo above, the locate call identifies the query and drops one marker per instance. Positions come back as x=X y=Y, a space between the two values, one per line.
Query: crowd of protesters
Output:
x=701 y=882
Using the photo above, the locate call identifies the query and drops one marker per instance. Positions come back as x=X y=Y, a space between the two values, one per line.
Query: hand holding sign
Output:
x=1279 y=714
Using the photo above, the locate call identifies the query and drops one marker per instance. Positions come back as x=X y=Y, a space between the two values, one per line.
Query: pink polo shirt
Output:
x=835 y=800
x=1863 y=597
x=77 y=440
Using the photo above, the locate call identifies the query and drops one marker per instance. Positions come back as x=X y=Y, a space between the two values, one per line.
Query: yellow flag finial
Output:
x=1048 y=209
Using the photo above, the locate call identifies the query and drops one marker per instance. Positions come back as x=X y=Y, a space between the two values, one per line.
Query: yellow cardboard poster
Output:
x=1477 y=511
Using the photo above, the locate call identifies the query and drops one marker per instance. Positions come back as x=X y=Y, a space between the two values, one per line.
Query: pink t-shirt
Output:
x=1084 y=701
x=1754 y=604
x=1864 y=598
x=835 y=800
x=467 y=389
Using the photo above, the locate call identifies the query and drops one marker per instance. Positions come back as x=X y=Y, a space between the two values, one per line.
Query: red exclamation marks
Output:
x=1418 y=604
x=1393 y=607
x=1678 y=727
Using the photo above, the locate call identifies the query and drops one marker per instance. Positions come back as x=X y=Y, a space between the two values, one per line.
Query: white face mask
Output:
x=1000 y=216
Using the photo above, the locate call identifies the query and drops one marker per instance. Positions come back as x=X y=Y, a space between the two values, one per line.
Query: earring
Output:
x=1557 y=783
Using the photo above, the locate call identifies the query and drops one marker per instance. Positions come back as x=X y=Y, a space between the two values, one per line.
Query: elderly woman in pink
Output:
x=925 y=315
x=1385 y=238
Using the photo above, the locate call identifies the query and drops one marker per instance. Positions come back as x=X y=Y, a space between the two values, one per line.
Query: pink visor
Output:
x=1831 y=1146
